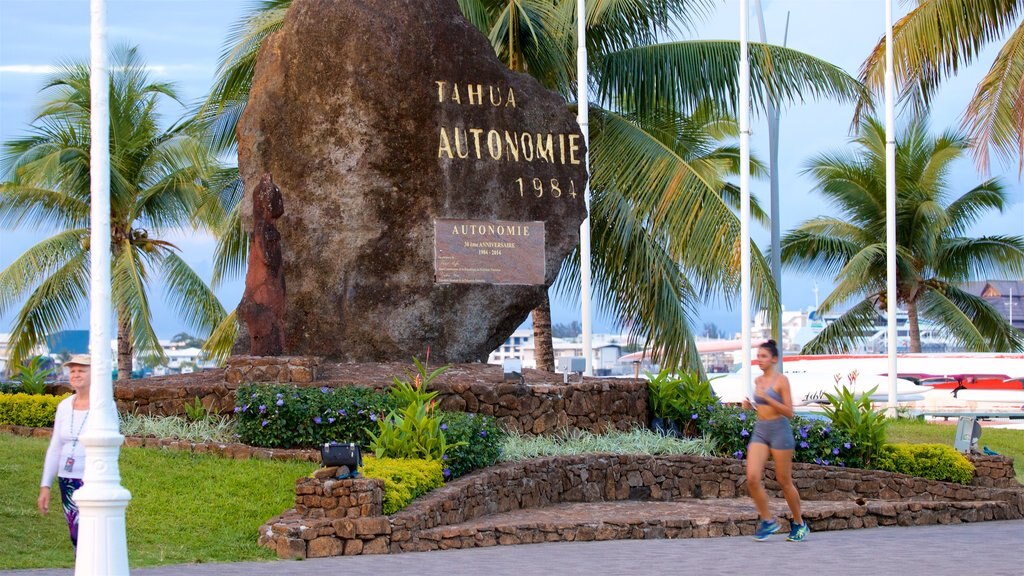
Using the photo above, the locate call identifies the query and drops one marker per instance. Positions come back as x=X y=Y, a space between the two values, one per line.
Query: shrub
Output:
x=817 y=441
x=477 y=441
x=412 y=432
x=286 y=416
x=404 y=479
x=932 y=461
x=854 y=415
x=730 y=427
x=7 y=387
x=414 y=388
x=29 y=409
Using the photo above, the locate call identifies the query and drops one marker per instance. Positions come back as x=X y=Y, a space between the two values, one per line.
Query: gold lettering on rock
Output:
x=497 y=96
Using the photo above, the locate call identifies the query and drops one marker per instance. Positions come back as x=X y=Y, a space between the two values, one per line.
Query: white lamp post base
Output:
x=102 y=544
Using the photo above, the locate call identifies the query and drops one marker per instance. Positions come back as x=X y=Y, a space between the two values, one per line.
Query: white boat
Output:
x=809 y=388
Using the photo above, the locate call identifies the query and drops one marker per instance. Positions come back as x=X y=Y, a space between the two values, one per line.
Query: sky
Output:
x=182 y=39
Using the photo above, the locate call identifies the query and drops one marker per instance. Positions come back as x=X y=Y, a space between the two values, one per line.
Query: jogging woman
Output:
x=773 y=436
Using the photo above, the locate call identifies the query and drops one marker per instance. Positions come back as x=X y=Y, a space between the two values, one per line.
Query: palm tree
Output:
x=936 y=39
x=156 y=186
x=934 y=258
x=665 y=235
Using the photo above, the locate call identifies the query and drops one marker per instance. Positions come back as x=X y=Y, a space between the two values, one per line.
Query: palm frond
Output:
x=222 y=339
x=52 y=306
x=39 y=262
x=682 y=75
x=196 y=305
x=846 y=332
x=993 y=119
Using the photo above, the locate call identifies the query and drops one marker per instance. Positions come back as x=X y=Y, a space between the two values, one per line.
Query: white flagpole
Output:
x=773 y=166
x=890 y=205
x=583 y=117
x=743 y=109
x=102 y=544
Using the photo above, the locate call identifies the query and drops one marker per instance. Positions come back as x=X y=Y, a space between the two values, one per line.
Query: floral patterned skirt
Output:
x=67 y=488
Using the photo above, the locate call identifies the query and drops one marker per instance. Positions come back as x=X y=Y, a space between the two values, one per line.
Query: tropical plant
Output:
x=854 y=415
x=195 y=411
x=517 y=446
x=157 y=183
x=933 y=255
x=413 y=389
x=935 y=40
x=411 y=432
x=665 y=236
x=32 y=375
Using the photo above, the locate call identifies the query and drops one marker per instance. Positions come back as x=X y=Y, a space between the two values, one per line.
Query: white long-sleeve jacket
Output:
x=67 y=426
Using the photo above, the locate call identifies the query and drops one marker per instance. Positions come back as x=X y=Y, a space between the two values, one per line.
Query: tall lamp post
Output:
x=743 y=109
x=890 y=206
x=102 y=544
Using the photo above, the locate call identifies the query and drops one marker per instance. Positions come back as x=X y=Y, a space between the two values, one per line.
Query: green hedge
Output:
x=932 y=461
x=29 y=409
x=405 y=479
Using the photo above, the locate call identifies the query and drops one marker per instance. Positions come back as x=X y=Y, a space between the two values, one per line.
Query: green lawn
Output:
x=184 y=508
x=1006 y=442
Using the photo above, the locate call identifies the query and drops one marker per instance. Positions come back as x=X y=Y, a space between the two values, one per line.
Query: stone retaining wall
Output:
x=541 y=404
x=865 y=498
x=993 y=471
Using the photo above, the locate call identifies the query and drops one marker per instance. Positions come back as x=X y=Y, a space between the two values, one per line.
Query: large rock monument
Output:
x=429 y=193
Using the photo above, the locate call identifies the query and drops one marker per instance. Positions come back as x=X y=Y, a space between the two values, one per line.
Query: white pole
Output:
x=102 y=545
x=583 y=117
x=743 y=109
x=773 y=167
x=890 y=205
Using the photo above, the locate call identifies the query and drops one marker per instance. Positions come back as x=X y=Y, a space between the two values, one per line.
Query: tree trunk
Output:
x=543 y=348
x=124 y=346
x=913 y=327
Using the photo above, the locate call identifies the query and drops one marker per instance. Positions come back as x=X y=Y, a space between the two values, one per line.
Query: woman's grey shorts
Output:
x=776 y=433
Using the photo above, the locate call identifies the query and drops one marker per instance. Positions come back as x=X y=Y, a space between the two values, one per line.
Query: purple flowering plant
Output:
x=297 y=417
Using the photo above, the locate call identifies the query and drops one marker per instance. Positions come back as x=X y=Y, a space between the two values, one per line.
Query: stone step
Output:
x=690 y=518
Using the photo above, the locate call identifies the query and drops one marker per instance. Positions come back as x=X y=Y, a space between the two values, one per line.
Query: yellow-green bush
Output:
x=404 y=479
x=932 y=461
x=29 y=409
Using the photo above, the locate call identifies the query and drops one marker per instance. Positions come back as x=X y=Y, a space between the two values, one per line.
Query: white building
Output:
x=607 y=350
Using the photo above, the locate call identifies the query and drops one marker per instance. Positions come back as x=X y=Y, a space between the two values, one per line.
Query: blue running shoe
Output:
x=798 y=532
x=765 y=529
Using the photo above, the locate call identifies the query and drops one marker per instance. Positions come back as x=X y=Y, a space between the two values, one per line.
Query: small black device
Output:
x=341 y=454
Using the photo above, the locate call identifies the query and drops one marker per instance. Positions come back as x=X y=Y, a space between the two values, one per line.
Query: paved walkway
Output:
x=984 y=548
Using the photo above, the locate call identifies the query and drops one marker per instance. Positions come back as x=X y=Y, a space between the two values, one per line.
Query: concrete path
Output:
x=984 y=548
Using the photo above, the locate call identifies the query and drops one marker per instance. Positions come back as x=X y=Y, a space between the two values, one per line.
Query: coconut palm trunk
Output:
x=544 y=350
x=914 y=326
x=124 y=345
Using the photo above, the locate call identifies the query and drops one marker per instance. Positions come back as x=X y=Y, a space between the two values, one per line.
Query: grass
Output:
x=1006 y=442
x=184 y=507
x=637 y=441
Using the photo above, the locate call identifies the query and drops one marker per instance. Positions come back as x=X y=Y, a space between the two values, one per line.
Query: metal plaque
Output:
x=491 y=252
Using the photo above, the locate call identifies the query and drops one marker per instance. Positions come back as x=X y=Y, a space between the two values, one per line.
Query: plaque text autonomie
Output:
x=491 y=252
